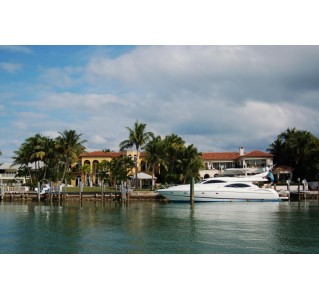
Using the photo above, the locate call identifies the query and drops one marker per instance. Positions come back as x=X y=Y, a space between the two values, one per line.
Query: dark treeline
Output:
x=298 y=149
x=41 y=158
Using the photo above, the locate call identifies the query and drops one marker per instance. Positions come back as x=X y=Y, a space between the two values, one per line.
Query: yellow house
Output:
x=92 y=159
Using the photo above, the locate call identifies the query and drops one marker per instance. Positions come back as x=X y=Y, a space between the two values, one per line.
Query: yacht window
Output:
x=214 y=181
x=238 y=185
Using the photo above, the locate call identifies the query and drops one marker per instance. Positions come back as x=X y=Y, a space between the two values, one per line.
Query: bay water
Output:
x=146 y=227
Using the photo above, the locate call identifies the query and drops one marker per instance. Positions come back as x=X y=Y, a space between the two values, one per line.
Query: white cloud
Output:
x=10 y=67
x=77 y=102
x=60 y=77
x=96 y=139
x=50 y=133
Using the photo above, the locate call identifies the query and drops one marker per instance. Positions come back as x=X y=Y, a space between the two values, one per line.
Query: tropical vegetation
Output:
x=298 y=149
x=137 y=138
x=178 y=162
x=41 y=158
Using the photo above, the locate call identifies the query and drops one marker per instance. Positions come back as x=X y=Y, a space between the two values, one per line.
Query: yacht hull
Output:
x=221 y=195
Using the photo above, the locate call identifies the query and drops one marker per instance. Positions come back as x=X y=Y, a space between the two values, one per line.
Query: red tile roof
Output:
x=105 y=154
x=257 y=153
x=220 y=155
x=233 y=155
x=100 y=154
x=206 y=155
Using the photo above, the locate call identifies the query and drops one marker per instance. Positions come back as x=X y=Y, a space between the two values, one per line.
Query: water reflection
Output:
x=297 y=227
x=151 y=227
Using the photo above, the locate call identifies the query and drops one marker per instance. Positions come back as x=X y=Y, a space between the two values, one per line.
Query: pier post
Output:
x=191 y=194
x=81 y=190
x=298 y=189
x=102 y=188
x=39 y=191
x=123 y=191
x=127 y=190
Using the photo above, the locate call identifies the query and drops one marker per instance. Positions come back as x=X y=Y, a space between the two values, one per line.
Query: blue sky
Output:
x=218 y=98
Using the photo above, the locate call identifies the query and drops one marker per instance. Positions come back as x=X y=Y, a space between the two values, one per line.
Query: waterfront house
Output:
x=92 y=159
x=252 y=161
x=8 y=174
x=8 y=180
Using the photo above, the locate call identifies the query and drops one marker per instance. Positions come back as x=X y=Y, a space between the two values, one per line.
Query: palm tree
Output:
x=104 y=170
x=86 y=171
x=35 y=144
x=50 y=159
x=298 y=149
x=119 y=168
x=22 y=159
x=173 y=146
x=25 y=156
x=153 y=154
x=138 y=137
x=191 y=163
x=71 y=146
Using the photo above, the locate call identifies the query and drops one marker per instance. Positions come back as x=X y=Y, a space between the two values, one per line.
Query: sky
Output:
x=218 y=98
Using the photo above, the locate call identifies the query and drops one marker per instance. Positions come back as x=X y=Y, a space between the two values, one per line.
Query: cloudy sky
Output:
x=215 y=97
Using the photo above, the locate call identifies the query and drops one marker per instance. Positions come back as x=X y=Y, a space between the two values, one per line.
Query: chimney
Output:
x=241 y=151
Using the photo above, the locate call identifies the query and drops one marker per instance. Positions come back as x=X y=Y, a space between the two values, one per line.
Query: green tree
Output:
x=298 y=149
x=153 y=154
x=191 y=163
x=119 y=168
x=86 y=172
x=138 y=137
x=23 y=157
x=35 y=144
x=104 y=170
x=173 y=146
x=22 y=160
x=71 y=146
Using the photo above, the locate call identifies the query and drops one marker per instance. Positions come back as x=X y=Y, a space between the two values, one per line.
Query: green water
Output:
x=151 y=227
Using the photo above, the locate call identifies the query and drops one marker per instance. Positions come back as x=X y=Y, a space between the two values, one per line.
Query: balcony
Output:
x=8 y=176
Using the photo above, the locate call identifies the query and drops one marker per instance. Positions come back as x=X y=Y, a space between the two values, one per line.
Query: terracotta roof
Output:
x=100 y=154
x=205 y=155
x=233 y=155
x=257 y=153
x=220 y=155
x=105 y=154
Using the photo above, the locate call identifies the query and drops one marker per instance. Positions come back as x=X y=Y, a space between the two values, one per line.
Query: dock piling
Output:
x=191 y=194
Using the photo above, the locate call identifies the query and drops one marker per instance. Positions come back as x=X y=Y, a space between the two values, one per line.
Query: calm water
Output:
x=149 y=227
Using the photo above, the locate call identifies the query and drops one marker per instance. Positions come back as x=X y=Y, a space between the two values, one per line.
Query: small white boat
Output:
x=222 y=189
x=45 y=189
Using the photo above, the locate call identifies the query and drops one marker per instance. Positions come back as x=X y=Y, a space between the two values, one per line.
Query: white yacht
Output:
x=221 y=189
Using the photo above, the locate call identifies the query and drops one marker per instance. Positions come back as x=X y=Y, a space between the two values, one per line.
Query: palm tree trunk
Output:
x=64 y=171
x=45 y=173
x=153 y=172
x=29 y=171
x=136 y=167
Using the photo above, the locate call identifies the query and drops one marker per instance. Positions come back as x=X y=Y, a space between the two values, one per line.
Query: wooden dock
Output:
x=107 y=196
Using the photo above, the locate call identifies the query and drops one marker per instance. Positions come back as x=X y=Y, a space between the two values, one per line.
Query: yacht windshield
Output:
x=213 y=181
x=238 y=185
